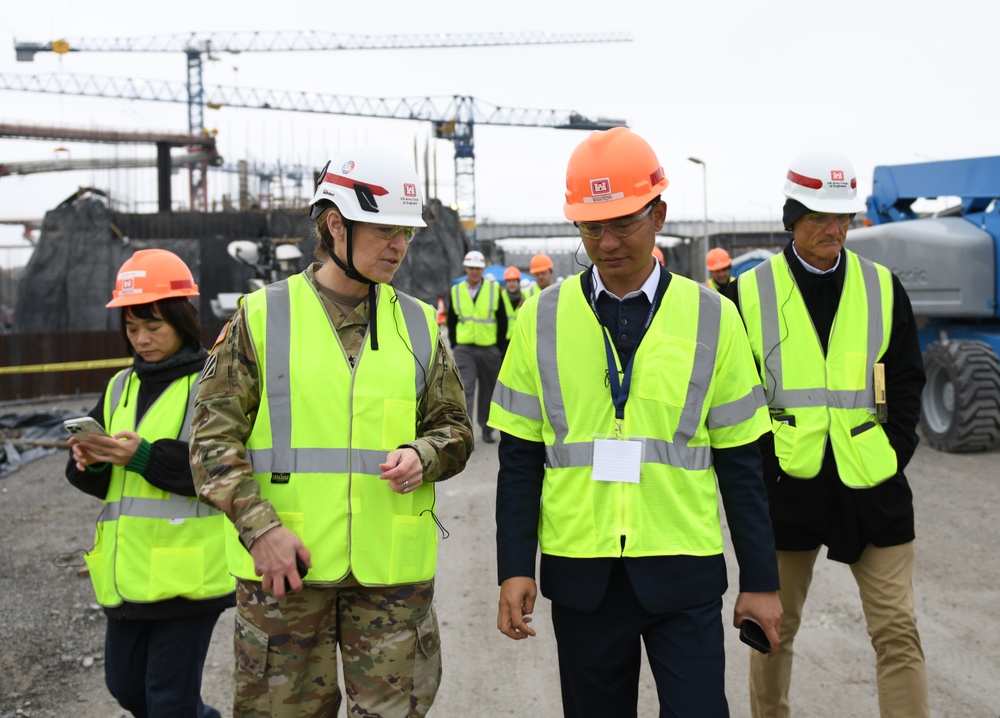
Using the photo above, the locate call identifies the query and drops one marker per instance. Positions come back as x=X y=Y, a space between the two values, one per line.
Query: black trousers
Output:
x=599 y=656
x=153 y=668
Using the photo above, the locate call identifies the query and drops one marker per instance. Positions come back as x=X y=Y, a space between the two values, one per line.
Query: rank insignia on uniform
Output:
x=280 y=478
x=209 y=371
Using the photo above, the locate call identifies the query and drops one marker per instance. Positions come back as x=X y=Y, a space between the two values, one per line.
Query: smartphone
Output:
x=753 y=635
x=83 y=426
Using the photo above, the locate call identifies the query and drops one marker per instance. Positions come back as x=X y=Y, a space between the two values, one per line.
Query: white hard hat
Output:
x=824 y=181
x=369 y=184
x=474 y=259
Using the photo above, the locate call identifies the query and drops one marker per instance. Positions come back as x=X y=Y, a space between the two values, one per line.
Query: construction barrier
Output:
x=68 y=366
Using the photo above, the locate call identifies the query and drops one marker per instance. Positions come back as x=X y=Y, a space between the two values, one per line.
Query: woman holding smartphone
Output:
x=158 y=565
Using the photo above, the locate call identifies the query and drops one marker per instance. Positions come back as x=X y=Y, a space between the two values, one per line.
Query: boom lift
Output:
x=949 y=264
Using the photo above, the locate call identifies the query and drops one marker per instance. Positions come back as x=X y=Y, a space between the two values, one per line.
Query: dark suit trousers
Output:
x=599 y=656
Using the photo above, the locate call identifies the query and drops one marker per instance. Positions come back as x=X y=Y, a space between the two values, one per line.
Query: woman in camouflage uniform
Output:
x=329 y=407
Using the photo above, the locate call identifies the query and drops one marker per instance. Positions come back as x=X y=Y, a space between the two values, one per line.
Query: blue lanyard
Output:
x=620 y=389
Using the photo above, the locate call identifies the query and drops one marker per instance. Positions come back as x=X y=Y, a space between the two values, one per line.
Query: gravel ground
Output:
x=52 y=630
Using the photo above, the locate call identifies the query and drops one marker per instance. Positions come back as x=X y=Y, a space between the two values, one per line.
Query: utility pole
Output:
x=700 y=272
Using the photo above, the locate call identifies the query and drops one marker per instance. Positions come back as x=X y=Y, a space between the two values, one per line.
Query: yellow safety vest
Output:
x=152 y=545
x=508 y=305
x=693 y=387
x=477 y=320
x=813 y=396
x=323 y=428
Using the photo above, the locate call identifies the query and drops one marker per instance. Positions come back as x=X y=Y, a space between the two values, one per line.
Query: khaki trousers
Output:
x=885 y=583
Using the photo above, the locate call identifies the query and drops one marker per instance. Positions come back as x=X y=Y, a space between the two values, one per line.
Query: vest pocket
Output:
x=176 y=572
x=799 y=448
x=414 y=549
x=98 y=570
x=875 y=457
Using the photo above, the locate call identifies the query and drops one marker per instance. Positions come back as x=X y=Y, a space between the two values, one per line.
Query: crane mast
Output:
x=198 y=45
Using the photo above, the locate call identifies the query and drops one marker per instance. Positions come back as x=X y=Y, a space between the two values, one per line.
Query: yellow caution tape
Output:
x=68 y=366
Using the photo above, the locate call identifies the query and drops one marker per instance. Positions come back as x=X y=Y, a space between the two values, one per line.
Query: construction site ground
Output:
x=52 y=631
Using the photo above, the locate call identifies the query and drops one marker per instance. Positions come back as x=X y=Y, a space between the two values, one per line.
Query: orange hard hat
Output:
x=717 y=259
x=150 y=275
x=658 y=253
x=539 y=263
x=612 y=173
x=511 y=273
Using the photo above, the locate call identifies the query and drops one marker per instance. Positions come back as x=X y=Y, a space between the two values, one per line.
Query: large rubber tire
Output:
x=960 y=405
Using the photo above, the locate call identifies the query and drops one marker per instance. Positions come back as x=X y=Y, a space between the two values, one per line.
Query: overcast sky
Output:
x=743 y=86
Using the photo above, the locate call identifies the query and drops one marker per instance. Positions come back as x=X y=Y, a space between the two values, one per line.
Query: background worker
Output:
x=477 y=330
x=622 y=389
x=158 y=565
x=833 y=465
x=541 y=269
x=514 y=296
x=658 y=255
x=329 y=408
x=719 y=265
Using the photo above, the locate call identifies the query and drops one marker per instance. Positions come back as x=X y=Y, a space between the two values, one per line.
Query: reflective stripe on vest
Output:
x=675 y=453
x=120 y=381
x=152 y=545
x=279 y=391
x=323 y=427
x=843 y=407
x=477 y=319
x=673 y=509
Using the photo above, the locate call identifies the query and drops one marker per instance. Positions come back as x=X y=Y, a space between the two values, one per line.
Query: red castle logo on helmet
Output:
x=600 y=186
x=128 y=283
x=410 y=190
x=837 y=175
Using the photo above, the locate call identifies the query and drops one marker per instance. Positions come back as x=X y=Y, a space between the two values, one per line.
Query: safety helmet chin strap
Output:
x=352 y=273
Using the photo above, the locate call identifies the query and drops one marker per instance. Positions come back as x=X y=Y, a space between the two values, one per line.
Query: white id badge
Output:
x=617 y=460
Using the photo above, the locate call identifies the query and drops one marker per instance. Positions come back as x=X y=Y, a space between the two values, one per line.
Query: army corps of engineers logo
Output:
x=600 y=191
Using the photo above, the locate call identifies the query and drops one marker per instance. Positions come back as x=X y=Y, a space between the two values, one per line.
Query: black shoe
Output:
x=488 y=436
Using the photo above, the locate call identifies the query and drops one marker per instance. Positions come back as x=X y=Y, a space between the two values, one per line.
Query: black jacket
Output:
x=169 y=469
x=661 y=583
x=808 y=513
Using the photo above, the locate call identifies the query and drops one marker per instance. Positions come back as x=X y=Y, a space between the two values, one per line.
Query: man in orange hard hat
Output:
x=658 y=253
x=514 y=296
x=719 y=265
x=541 y=268
x=608 y=425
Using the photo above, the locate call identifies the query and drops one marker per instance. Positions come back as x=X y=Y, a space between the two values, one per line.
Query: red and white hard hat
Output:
x=370 y=184
x=824 y=181
x=474 y=259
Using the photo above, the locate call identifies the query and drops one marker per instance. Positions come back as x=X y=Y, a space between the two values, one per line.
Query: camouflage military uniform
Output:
x=286 y=650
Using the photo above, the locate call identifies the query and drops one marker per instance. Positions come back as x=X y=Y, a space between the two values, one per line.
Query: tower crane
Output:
x=198 y=45
x=454 y=118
